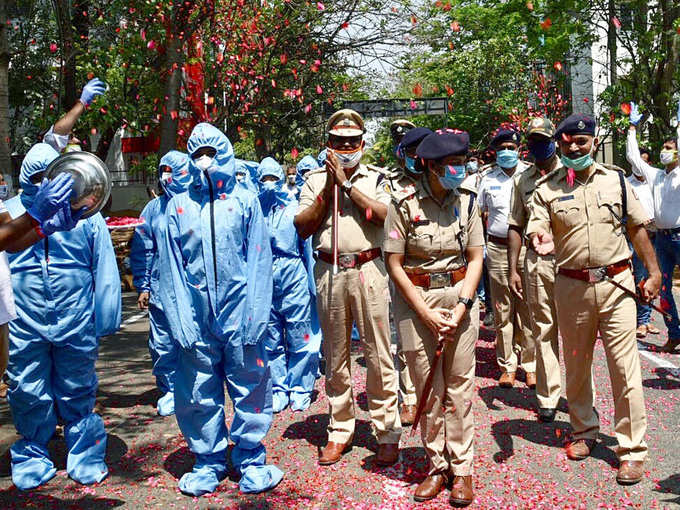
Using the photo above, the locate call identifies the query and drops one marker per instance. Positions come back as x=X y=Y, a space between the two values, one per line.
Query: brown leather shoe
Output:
x=670 y=345
x=641 y=331
x=3 y=389
x=430 y=487
x=580 y=449
x=531 y=380
x=630 y=472
x=387 y=454
x=408 y=414
x=461 y=492
x=507 y=380
x=332 y=452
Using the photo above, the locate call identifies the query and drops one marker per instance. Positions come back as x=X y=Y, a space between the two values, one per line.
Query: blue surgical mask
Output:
x=472 y=167
x=579 y=163
x=453 y=176
x=410 y=164
x=542 y=150
x=507 y=158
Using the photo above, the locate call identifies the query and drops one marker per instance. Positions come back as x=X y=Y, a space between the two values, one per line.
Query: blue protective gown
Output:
x=67 y=292
x=292 y=346
x=145 y=265
x=216 y=290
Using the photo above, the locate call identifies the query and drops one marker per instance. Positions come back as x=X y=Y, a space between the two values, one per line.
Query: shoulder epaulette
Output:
x=485 y=168
x=398 y=196
x=548 y=176
x=613 y=167
x=381 y=170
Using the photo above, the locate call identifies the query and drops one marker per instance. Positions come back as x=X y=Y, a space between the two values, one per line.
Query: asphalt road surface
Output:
x=519 y=461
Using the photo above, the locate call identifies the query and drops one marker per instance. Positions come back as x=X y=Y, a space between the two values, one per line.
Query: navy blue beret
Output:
x=505 y=135
x=576 y=124
x=443 y=143
x=415 y=136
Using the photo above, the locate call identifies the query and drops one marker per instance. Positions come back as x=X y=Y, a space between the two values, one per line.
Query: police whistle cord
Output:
x=637 y=297
x=427 y=389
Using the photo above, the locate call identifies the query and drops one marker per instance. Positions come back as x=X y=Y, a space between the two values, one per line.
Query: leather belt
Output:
x=351 y=260
x=595 y=274
x=437 y=280
x=669 y=231
x=498 y=240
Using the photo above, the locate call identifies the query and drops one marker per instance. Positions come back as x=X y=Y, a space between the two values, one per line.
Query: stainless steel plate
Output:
x=91 y=180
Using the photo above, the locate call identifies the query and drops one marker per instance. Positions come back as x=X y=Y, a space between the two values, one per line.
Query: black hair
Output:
x=645 y=150
x=671 y=138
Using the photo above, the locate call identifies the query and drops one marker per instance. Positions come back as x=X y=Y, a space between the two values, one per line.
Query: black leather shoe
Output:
x=546 y=414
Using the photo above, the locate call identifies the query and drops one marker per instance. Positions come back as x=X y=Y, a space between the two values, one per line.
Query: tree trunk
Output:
x=68 y=52
x=5 y=152
x=612 y=48
x=170 y=118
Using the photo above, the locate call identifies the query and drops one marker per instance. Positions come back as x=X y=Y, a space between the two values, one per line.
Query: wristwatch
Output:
x=467 y=302
x=347 y=187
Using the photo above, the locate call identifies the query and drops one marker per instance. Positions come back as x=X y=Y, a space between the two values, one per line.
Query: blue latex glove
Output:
x=635 y=115
x=95 y=87
x=63 y=220
x=50 y=197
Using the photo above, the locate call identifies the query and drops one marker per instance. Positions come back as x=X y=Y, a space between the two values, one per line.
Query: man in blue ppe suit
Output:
x=67 y=292
x=216 y=290
x=174 y=178
x=292 y=347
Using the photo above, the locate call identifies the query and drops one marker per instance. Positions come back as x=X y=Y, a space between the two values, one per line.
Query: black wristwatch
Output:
x=347 y=187
x=467 y=302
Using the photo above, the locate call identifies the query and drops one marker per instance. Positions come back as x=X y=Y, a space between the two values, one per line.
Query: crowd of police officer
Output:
x=553 y=236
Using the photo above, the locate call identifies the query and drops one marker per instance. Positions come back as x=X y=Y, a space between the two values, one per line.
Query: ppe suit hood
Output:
x=223 y=167
x=37 y=160
x=305 y=165
x=321 y=158
x=270 y=167
x=181 y=178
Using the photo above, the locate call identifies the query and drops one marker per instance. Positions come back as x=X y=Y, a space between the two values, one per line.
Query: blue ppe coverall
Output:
x=216 y=290
x=292 y=348
x=145 y=265
x=321 y=158
x=67 y=292
x=305 y=165
x=248 y=169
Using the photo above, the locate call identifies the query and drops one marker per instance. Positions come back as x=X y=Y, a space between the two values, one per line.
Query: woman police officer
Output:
x=433 y=248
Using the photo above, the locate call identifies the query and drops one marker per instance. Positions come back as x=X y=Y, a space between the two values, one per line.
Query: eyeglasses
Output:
x=340 y=142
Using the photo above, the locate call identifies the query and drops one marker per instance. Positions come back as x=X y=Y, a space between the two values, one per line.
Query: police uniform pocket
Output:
x=610 y=207
x=568 y=212
x=453 y=237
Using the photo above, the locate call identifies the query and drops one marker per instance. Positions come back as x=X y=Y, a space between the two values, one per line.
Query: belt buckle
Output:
x=596 y=274
x=347 y=261
x=439 y=280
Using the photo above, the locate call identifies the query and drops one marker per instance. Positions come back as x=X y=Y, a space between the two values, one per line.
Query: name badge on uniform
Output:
x=494 y=187
x=419 y=223
x=565 y=198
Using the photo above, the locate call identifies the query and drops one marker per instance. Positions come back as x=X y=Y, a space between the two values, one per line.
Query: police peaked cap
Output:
x=415 y=136
x=576 y=124
x=505 y=135
x=443 y=143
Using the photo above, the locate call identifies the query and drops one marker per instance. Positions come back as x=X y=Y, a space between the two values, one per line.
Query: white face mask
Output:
x=668 y=156
x=166 y=177
x=204 y=162
x=291 y=179
x=350 y=160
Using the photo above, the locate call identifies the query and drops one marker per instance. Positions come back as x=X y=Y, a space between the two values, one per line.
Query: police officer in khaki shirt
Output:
x=358 y=293
x=582 y=212
x=539 y=271
x=402 y=186
x=515 y=345
x=434 y=254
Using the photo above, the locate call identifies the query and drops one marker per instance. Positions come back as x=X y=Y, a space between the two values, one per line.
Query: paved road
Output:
x=519 y=461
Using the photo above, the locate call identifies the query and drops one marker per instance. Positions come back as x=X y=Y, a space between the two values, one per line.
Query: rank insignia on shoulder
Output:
x=386 y=187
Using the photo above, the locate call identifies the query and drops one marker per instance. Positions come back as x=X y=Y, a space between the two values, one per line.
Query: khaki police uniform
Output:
x=399 y=183
x=433 y=236
x=359 y=295
x=514 y=340
x=539 y=283
x=587 y=234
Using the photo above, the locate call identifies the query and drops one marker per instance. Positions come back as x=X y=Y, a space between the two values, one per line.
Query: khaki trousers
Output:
x=360 y=295
x=407 y=390
x=514 y=339
x=4 y=349
x=539 y=277
x=447 y=425
x=583 y=310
